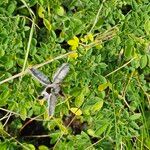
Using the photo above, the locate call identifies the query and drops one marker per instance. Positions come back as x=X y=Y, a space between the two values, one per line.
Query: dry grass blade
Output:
x=28 y=49
x=97 y=16
x=95 y=143
x=120 y=67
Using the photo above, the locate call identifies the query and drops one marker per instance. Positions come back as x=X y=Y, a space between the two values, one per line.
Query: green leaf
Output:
x=102 y=65
x=86 y=110
x=86 y=90
x=148 y=59
x=129 y=49
x=135 y=116
x=7 y=75
x=97 y=106
x=47 y=24
x=102 y=79
x=41 y=12
x=3 y=97
x=41 y=2
x=147 y=27
x=20 y=62
x=9 y=64
x=101 y=94
x=103 y=86
x=23 y=113
x=26 y=28
x=2 y=52
x=61 y=126
x=11 y=8
x=60 y=11
x=1 y=129
x=38 y=58
x=54 y=137
x=79 y=100
x=43 y=147
x=147 y=141
x=143 y=61
x=31 y=3
x=135 y=125
x=5 y=94
x=29 y=146
x=91 y=132
x=4 y=145
x=101 y=129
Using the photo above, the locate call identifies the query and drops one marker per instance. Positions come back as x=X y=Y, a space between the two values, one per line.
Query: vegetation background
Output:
x=106 y=103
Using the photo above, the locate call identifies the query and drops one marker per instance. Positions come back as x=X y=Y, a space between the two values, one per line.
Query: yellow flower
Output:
x=74 y=43
x=41 y=102
x=73 y=55
x=88 y=37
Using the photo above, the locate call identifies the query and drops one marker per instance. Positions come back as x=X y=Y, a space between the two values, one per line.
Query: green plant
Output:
x=106 y=93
